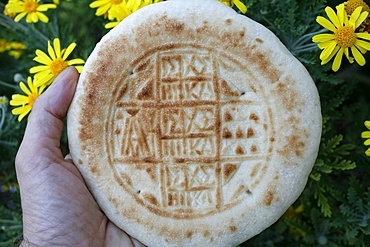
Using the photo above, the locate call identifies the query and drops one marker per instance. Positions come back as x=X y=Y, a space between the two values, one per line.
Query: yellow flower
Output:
x=3 y=45
x=8 y=12
x=351 y=5
x=366 y=134
x=134 y=5
x=124 y=9
x=16 y=46
x=241 y=6
x=54 y=63
x=24 y=103
x=343 y=38
x=119 y=13
x=103 y=6
x=31 y=8
x=3 y=101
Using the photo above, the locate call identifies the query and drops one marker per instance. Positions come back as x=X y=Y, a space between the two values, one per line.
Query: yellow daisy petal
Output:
x=96 y=4
x=102 y=10
x=365 y=134
x=358 y=56
x=24 y=88
x=240 y=6
x=76 y=61
x=26 y=110
x=326 y=23
x=38 y=69
x=328 y=51
x=18 y=99
x=69 y=50
x=323 y=37
x=363 y=45
x=51 y=51
x=367 y=142
x=79 y=68
x=18 y=110
x=337 y=60
x=20 y=16
x=356 y=14
x=42 y=17
x=57 y=47
x=42 y=57
x=45 y=7
x=342 y=15
x=324 y=45
x=367 y=124
x=332 y=16
x=367 y=152
x=29 y=18
x=331 y=56
x=363 y=36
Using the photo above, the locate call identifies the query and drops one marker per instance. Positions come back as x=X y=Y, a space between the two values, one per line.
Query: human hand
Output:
x=58 y=209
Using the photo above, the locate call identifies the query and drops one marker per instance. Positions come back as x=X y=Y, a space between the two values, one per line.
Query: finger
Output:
x=45 y=125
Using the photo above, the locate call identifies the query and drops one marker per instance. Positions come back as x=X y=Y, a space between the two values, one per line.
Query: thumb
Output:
x=45 y=125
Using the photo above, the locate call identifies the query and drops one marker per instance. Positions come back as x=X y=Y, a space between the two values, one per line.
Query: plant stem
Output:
x=8 y=85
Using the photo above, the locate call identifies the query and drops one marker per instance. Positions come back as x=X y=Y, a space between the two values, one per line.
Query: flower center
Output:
x=345 y=36
x=30 y=6
x=32 y=98
x=353 y=4
x=57 y=66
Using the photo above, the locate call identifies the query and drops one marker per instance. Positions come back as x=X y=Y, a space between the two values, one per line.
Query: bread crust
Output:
x=193 y=125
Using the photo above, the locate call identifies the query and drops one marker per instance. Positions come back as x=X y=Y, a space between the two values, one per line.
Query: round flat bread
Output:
x=193 y=125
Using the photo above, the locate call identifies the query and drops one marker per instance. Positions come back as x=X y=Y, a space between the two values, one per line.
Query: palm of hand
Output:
x=58 y=209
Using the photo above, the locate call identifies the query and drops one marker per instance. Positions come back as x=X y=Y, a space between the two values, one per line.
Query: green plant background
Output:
x=335 y=205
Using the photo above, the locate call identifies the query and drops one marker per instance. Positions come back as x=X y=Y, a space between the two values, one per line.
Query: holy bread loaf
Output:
x=193 y=125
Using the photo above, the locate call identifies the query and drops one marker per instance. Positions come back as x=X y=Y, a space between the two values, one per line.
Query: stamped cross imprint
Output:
x=180 y=122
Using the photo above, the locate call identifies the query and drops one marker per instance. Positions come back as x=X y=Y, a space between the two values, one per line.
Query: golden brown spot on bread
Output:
x=232 y=38
x=119 y=115
x=228 y=171
x=259 y=40
x=206 y=233
x=239 y=133
x=94 y=169
x=253 y=148
x=150 y=198
x=227 y=116
x=232 y=228
x=254 y=117
x=254 y=170
x=172 y=25
x=226 y=90
x=250 y=132
x=293 y=144
x=228 y=21
x=264 y=64
x=80 y=161
x=290 y=98
x=239 y=150
x=146 y=92
x=268 y=199
x=114 y=201
x=226 y=133
x=189 y=234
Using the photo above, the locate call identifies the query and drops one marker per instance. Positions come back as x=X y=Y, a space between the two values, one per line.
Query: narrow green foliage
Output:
x=336 y=200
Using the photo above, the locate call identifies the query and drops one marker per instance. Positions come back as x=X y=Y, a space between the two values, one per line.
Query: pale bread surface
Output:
x=193 y=125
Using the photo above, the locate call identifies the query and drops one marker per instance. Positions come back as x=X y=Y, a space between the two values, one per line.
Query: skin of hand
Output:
x=58 y=209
